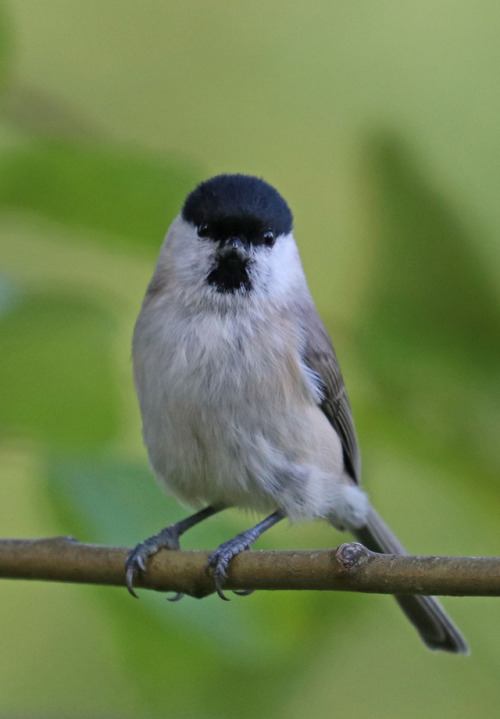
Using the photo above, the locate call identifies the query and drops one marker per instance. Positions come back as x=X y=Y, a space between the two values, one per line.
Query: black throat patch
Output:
x=230 y=275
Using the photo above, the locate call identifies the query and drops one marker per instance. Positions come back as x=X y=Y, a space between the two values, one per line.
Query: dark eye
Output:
x=269 y=239
x=203 y=231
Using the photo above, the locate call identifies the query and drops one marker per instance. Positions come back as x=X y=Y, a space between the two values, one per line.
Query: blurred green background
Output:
x=378 y=121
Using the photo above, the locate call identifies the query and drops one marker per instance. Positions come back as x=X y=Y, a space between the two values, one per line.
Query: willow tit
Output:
x=242 y=398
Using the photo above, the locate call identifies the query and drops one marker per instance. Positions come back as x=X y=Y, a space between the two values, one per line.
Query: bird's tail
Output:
x=425 y=613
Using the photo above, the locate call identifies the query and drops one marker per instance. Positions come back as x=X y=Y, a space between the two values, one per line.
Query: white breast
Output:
x=230 y=413
x=225 y=405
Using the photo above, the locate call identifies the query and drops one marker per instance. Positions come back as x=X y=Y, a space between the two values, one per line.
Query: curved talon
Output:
x=215 y=566
x=218 y=588
x=137 y=558
x=133 y=564
x=129 y=580
x=219 y=559
x=243 y=592
x=220 y=577
x=218 y=562
x=176 y=597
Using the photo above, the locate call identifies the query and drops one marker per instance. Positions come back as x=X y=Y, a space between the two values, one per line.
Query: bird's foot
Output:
x=136 y=560
x=219 y=559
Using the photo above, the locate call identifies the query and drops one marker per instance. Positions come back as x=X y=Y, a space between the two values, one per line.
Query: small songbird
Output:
x=242 y=398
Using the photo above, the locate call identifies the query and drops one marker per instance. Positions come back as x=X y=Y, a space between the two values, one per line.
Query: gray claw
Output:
x=216 y=566
x=129 y=581
x=133 y=563
x=218 y=588
x=137 y=558
x=219 y=559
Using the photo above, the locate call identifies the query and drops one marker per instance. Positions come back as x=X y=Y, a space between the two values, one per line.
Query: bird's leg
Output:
x=168 y=538
x=219 y=559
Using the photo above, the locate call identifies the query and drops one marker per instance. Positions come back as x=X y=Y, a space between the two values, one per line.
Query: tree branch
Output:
x=351 y=567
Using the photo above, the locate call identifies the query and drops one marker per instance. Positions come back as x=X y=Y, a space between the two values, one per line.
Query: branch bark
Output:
x=351 y=567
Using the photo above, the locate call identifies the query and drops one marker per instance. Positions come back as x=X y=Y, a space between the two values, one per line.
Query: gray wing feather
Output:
x=320 y=357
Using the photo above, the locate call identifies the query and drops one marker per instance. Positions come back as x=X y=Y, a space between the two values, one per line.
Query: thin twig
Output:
x=351 y=567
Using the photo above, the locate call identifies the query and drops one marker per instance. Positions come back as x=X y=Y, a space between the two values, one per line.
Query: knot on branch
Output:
x=351 y=555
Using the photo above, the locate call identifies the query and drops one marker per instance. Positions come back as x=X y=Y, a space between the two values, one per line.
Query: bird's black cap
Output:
x=233 y=198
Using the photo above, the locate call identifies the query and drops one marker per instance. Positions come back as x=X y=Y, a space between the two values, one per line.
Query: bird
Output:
x=242 y=398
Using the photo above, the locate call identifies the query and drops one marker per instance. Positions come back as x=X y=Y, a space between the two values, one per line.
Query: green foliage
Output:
x=129 y=196
x=55 y=370
x=431 y=332
x=429 y=291
x=116 y=502
x=4 y=46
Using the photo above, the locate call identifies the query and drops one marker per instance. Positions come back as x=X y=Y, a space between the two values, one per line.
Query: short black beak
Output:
x=234 y=248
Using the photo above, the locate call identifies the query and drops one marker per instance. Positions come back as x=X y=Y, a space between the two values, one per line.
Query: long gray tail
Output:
x=425 y=613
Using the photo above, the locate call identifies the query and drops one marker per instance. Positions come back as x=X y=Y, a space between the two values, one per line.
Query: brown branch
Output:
x=351 y=567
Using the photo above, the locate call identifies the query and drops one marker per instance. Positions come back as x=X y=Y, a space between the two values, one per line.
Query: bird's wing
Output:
x=320 y=357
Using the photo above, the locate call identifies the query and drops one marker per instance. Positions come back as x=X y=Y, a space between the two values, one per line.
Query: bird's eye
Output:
x=203 y=231
x=269 y=239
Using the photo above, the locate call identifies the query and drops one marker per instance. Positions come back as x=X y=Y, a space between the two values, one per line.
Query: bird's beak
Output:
x=234 y=248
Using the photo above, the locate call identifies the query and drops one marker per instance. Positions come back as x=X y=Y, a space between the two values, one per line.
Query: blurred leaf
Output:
x=130 y=196
x=9 y=295
x=432 y=331
x=247 y=640
x=117 y=502
x=34 y=111
x=106 y=500
x=428 y=286
x=57 y=379
x=4 y=46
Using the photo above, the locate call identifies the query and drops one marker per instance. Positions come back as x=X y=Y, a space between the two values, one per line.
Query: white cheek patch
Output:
x=284 y=268
x=188 y=259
